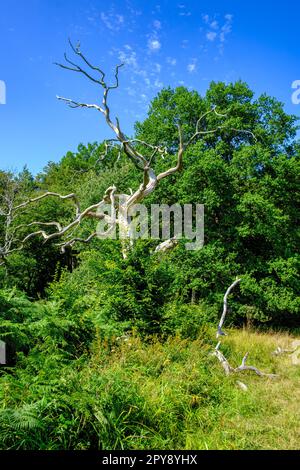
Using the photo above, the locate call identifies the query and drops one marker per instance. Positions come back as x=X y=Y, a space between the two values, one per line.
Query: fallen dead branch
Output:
x=228 y=369
x=243 y=367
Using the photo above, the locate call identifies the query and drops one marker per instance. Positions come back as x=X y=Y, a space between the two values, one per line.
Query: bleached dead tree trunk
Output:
x=228 y=369
x=133 y=149
x=220 y=332
x=7 y=218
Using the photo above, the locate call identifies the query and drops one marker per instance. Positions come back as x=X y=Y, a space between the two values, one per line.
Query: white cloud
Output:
x=133 y=11
x=182 y=12
x=128 y=58
x=105 y=20
x=157 y=24
x=218 y=32
x=154 y=44
x=158 y=84
x=171 y=61
x=211 y=35
x=143 y=73
x=184 y=43
x=130 y=91
x=192 y=66
x=157 y=67
x=112 y=21
x=225 y=30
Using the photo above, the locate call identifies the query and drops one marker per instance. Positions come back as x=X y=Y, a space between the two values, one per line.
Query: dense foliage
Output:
x=61 y=314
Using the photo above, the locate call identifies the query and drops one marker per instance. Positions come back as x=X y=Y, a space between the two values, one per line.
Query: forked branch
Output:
x=220 y=356
x=220 y=332
x=243 y=367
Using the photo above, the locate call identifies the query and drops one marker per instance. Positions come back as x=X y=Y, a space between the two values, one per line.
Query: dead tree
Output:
x=143 y=160
x=228 y=369
x=8 y=237
x=220 y=332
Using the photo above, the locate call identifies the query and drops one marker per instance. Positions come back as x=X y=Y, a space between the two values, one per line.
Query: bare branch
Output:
x=51 y=194
x=79 y=53
x=243 y=367
x=77 y=68
x=278 y=351
x=116 y=77
x=166 y=245
x=199 y=132
x=130 y=151
x=212 y=110
x=222 y=319
x=180 y=153
x=222 y=359
x=76 y=104
x=71 y=243
x=91 y=211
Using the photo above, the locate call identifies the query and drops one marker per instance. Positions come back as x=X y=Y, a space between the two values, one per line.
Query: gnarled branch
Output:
x=220 y=332
x=136 y=150
x=243 y=367
x=220 y=356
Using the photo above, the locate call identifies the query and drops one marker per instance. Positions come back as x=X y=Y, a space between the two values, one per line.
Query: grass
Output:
x=188 y=403
x=150 y=395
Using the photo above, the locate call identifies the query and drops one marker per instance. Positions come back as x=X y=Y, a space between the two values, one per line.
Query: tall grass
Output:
x=138 y=394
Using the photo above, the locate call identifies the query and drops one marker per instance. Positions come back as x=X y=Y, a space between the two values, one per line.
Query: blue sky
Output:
x=162 y=42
